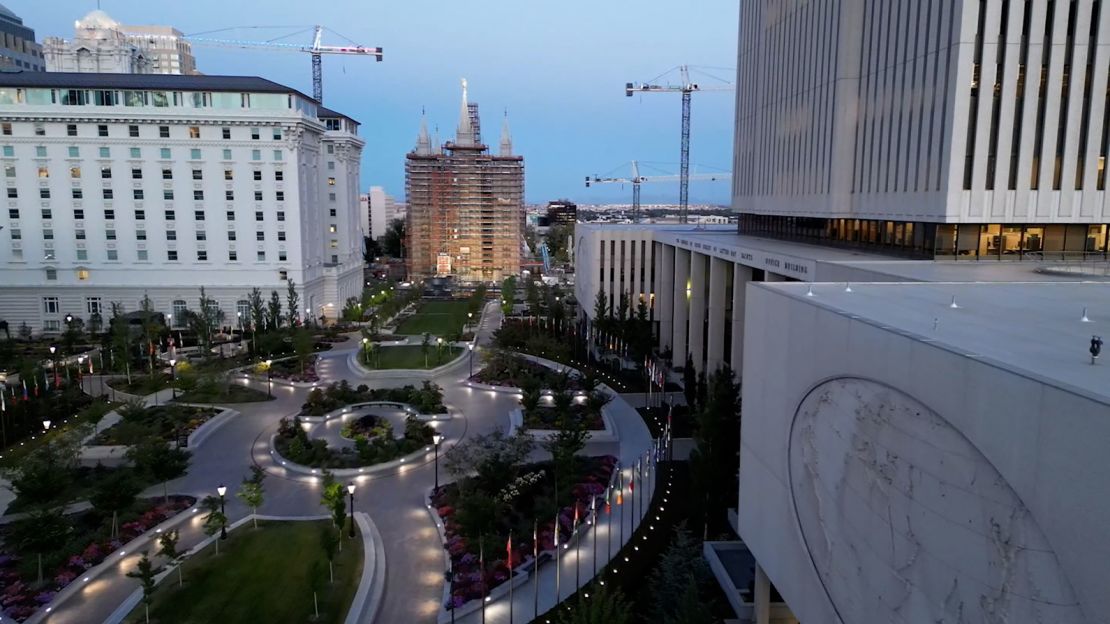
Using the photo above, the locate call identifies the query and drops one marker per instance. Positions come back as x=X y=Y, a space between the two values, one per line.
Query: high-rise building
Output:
x=18 y=49
x=121 y=185
x=561 y=212
x=102 y=45
x=465 y=205
x=381 y=208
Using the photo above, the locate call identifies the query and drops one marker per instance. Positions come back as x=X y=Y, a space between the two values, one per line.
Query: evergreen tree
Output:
x=292 y=303
x=273 y=311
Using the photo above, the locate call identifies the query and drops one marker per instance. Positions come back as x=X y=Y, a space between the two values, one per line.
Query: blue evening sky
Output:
x=558 y=67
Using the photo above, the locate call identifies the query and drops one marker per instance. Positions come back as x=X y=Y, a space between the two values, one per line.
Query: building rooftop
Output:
x=1033 y=329
x=168 y=82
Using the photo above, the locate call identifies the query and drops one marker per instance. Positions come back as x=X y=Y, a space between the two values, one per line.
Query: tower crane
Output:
x=636 y=180
x=686 y=88
x=316 y=49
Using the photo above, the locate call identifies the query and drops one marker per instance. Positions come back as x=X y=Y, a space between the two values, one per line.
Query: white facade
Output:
x=116 y=191
x=905 y=461
x=381 y=209
x=102 y=45
x=873 y=110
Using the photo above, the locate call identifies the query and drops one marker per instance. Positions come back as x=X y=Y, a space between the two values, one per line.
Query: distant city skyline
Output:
x=558 y=69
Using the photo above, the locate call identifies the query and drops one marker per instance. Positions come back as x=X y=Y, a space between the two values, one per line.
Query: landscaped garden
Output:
x=427 y=399
x=496 y=494
x=170 y=423
x=140 y=385
x=438 y=318
x=504 y=368
x=67 y=410
x=418 y=357
x=293 y=443
x=278 y=573
x=301 y=368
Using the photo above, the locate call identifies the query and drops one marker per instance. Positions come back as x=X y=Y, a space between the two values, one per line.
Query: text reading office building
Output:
x=118 y=186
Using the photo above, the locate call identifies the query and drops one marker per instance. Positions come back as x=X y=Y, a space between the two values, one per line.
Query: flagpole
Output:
x=558 y=593
x=620 y=503
x=509 y=553
x=593 y=529
x=536 y=568
x=482 y=574
x=609 y=524
x=577 y=550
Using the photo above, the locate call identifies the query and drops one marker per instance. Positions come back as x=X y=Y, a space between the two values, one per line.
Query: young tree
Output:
x=121 y=339
x=150 y=329
x=623 y=306
x=393 y=241
x=113 y=494
x=329 y=540
x=352 y=310
x=569 y=439
x=605 y=606
x=302 y=346
x=494 y=458
x=74 y=331
x=145 y=573
x=508 y=294
x=157 y=458
x=256 y=309
x=40 y=533
x=675 y=582
x=601 y=311
x=273 y=311
x=690 y=382
x=7 y=331
x=24 y=331
x=215 y=520
x=532 y=295
x=713 y=463
x=251 y=491
x=292 y=303
x=334 y=499
x=44 y=474
x=167 y=547
x=425 y=345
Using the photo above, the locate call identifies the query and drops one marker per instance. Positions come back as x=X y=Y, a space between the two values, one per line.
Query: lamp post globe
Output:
x=471 y=348
x=269 y=378
x=173 y=377
x=351 y=492
x=222 y=490
x=46 y=425
x=436 y=439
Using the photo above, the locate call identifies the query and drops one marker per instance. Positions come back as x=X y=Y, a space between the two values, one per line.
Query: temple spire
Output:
x=506 y=138
x=465 y=134
x=423 y=143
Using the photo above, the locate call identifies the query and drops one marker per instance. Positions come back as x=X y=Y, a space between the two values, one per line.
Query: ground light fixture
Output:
x=221 y=489
x=351 y=492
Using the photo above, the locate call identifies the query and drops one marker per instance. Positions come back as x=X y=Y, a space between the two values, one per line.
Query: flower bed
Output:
x=545 y=417
x=293 y=443
x=20 y=596
x=290 y=370
x=514 y=509
x=427 y=399
x=169 y=422
x=507 y=369
x=367 y=427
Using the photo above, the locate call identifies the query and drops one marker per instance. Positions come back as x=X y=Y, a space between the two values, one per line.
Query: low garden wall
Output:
x=113 y=455
x=343 y=411
x=608 y=434
x=394 y=464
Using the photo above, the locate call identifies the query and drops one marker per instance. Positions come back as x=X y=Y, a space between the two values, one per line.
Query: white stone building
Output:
x=102 y=45
x=122 y=185
x=381 y=208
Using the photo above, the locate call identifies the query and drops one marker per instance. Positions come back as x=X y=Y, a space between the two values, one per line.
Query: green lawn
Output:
x=411 y=356
x=438 y=318
x=231 y=393
x=263 y=575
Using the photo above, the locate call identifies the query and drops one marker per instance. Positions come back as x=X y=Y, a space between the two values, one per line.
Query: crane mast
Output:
x=636 y=179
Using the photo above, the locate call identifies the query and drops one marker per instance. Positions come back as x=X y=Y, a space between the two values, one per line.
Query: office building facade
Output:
x=121 y=185
x=18 y=49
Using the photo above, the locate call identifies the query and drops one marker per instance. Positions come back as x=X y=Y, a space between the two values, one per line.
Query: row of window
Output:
x=94 y=306
x=171 y=235
x=139 y=194
x=102 y=130
x=142 y=255
x=158 y=99
x=140 y=214
x=136 y=153
x=137 y=173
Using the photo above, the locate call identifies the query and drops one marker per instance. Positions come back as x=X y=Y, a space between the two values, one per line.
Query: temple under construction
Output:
x=466 y=205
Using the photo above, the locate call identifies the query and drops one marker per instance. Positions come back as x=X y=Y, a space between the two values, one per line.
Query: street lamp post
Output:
x=469 y=319
x=436 y=439
x=173 y=378
x=270 y=378
x=365 y=354
x=471 y=348
x=54 y=364
x=439 y=349
x=80 y=366
x=222 y=490
x=46 y=425
x=351 y=492
x=307 y=316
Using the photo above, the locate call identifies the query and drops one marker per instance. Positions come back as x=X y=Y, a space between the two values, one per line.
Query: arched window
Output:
x=179 y=308
x=243 y=312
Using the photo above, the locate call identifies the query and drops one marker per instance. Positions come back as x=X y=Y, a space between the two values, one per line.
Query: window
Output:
x=170 y=216
x=260 y=236
x=171 y=235
x=283 y=275
x=50 y=305
x=105 y=152
x=258 y=215
x=254 y=134
x=104 y=97
x=281 y=215
x=13 y=213
x=232 y=256
x=277 y=154
x=281 y=256
x=202 y=255
x=331 y=212
x=74 y=97
x=140 y=235
x=52 y=274
x=82 y=254
x=13 y=193
x=334 y=244
x=198 y=215
x=137 y=194
x=78 y=214
x=9 y=171
x=331 y=228
x=231 y=235
x=279 y=175
x=107 y=193
x=165 y=153
x=140 y=215
x=281 y=235
x=40 y=151
x=198 y=174
x=74 y=151
x=79 y=234
x=110 y=234
x=198 y=195
x=102 y=130
x=280 y=195
x=47 y=234
x=331 y=165
x=75 y=172
x=6 y=128
x=71 y=129
x=167 y=174
x=142 y=255
x=194 y=132
x=257 y=175
x=202 y=235
x=109 y=214
x=113 y=255
x=93 y=306
x=171 y=255
x=77 y=193
x=261 y=256
x=258 y=196
x=16 y=234
x=106 y=173
x=47 y=214
x=194 y=154
x=331 y=181
x=227 y=154
x=136 y=174
x=230 y=215
x=44 y=193
x=9 y=151
x=133 y=131
x=331 y=148
x=40 y=130
x=227 y=133
x=52 y=325
x=164 y=132
x=229 y=174
x=44 y=172
x=136 y=152
x=255 y=154
x=277 y=134
x=229 y=195
x=167 y=194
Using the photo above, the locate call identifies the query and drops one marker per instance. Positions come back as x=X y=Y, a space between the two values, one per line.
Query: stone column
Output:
x=697 y=309
x=773 y=277
x=715 y=349
x=762 y=596
x=680 y=309
x=662 y=289
x=741 y=277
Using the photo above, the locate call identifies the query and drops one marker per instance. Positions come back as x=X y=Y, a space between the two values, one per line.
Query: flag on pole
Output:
x=25 y=396
x=575 y=528
x=509 y=554
x=608 y=505
x=536 y=540
x=36 y=386
x=90 y=366
x=556 y=533
x=3 y=405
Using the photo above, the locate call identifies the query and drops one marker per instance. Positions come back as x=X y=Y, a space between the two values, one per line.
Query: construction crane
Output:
x=316 y=49
x=686 y=88
x=636 y=180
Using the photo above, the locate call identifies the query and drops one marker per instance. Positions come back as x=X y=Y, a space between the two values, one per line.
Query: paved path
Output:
x=394 y=501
